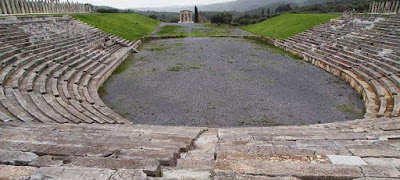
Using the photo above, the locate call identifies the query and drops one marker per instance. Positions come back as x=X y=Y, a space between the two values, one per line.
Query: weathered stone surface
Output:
x=289 y=169
x=381 y=171
x=228 y=175
x=16 y=157
x=72 y=173
x=149 y=166
x=375 y=151
x=346 y=160
x=16 y=172
x=129 y=174
x=64 y=150
x=48 y=161
x=383 y=161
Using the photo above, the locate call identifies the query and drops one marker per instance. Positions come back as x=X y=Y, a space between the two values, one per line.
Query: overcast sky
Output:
x=148 y=3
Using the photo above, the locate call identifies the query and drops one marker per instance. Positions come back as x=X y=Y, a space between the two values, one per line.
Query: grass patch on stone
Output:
x=125 y=65
x=179 y=44
x=159 y=48
x=170 y=30
x=208 y=30
x=127 y=25
x=277 y=50
x=287 y=25
x=350 y=109
x=182 y=67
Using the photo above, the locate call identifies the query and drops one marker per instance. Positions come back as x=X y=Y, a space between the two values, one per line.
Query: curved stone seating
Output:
x=364 y=48
x=48 y=64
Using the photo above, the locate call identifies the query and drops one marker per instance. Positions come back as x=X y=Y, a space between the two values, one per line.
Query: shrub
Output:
x=221 y=18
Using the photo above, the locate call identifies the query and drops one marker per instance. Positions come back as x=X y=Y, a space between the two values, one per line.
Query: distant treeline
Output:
x=259 y=14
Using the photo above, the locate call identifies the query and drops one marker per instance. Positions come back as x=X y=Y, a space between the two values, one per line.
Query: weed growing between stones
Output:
x=125 y=65
x=350 y=109
x=182 y=67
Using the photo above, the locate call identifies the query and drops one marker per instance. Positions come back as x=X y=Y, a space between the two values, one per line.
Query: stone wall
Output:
x=387 y=7
x=8 y=7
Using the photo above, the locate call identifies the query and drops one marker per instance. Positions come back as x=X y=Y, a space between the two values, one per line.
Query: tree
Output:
x=221 y=18
x=263 y=12
x=153 y=16
x=111 y=10
x=196 y=14
x=283 y=8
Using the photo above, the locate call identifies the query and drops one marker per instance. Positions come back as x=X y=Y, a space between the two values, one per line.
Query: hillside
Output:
x=238 y=5
x=129 y=26
x=287 y=25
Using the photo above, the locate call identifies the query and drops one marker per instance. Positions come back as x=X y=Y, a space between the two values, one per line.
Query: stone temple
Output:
x=186 y=16
x=53 y=124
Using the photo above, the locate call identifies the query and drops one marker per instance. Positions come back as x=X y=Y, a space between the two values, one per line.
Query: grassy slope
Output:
x=129 y=26
x=287 y=25
x=210 y=30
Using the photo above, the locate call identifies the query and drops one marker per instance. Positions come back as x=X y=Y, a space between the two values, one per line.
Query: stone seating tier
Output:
x=366 y=46
x=48 y=65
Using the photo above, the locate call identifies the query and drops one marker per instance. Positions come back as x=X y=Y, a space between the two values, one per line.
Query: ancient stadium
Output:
x=135 y=98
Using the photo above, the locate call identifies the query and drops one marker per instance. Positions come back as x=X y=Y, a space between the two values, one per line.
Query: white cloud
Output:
x=123 y=4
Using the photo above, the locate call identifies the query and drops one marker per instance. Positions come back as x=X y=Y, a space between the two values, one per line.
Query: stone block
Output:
x=16 y=157
x=48 y=161
x=150 y=166
x=346 y=160
x=381 y=171
x=72 y=173
x=383 y=161
x=129 y=174
x=16 y=172
x=228 y=175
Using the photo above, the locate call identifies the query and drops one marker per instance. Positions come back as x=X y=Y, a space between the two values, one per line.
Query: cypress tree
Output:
x=196 y=14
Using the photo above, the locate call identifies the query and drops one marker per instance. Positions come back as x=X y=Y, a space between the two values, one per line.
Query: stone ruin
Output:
x=10 y=7
x=385 y=7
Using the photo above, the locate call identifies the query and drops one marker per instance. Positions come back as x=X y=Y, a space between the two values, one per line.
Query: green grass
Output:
x=210 y=30
x=125 y=65
x=129 y=26
x=350 y=109
x=277 y=50
x=182 y=67
x=288 y=25
x=170 y=29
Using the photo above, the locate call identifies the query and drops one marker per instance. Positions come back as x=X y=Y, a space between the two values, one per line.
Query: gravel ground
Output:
x=224 y=82
x=192 y=27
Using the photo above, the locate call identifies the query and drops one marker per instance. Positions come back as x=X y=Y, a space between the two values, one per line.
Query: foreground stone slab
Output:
x=16 y=172
x=383 y=161
x=72 y=173
x=227 y=175
x=290 y=169
x=16 y=157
